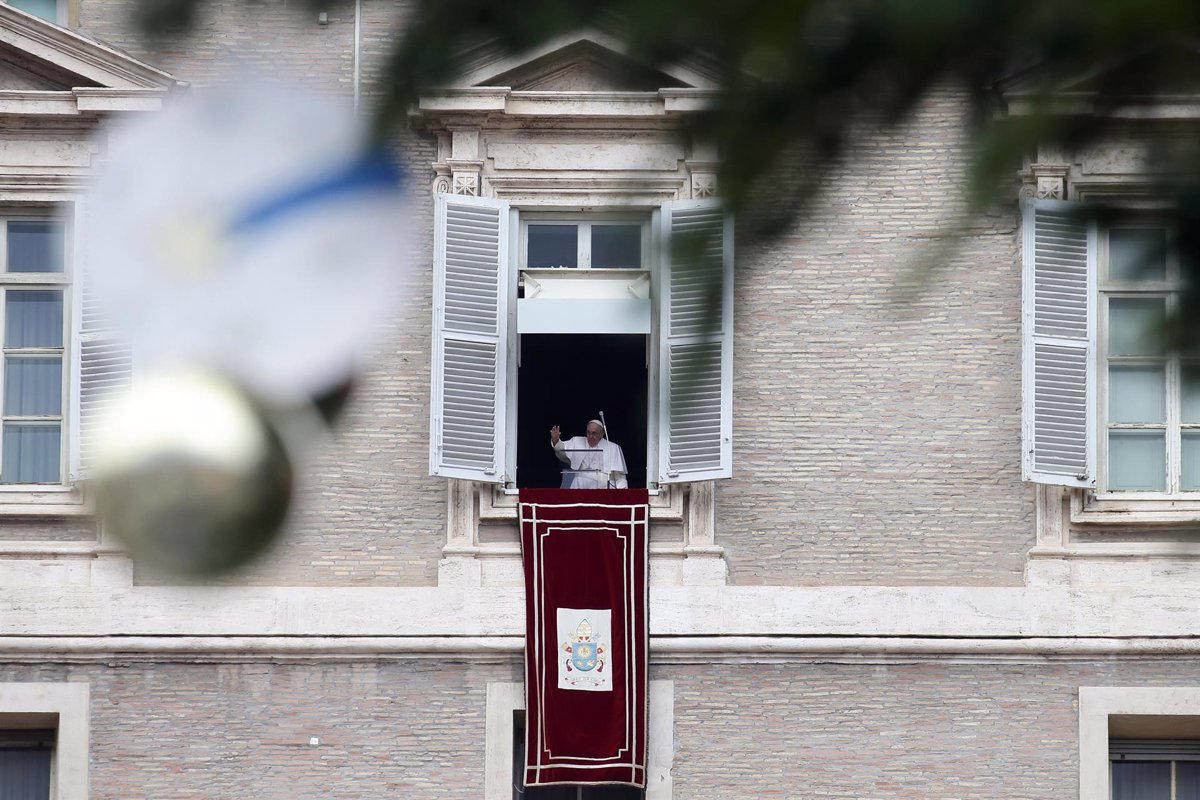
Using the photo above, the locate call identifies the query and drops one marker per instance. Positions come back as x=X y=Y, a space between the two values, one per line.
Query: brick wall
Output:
x=405 y=730
x=415 y=729
x=877 y=432
x=875 y=441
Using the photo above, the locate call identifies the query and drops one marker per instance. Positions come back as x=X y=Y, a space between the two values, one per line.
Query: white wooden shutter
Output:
x=103 y=362
x=1058 y=371
x=470 y=321
x=695 y=318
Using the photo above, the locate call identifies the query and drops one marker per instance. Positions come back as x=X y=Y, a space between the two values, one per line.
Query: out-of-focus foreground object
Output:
x=249 y=234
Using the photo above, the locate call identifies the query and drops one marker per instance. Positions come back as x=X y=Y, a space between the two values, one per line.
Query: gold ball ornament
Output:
x=190 y=474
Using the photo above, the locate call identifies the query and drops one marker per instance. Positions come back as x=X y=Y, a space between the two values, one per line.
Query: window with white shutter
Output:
x=104 y=368
x=587 y=296
x=472 y=303
x=1058 y=421
x=695 y=316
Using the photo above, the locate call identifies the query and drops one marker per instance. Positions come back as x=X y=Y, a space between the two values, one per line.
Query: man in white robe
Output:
x=594 y=462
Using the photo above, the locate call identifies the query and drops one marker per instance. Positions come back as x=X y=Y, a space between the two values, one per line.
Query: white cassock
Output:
x=592 y=467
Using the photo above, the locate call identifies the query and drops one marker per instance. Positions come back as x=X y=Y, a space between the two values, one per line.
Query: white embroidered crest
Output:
x=584 y=636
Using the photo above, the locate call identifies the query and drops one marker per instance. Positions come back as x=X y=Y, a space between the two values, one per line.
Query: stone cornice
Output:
x=663 y=649
x=947 y=613
x=79 y=101
x=78 y=54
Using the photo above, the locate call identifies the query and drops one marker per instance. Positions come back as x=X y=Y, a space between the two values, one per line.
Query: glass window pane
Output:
x=1136 y=394
x=1137 y=254
x=46 y=9
x=31 y=453
x=1141 y=780
x=1137 y=460
x=35 y=247
x=33 y=318
x=25 y=773
x=1189 y=410
x=1136 y=325
x=553 y=246
x=617 y=246
x=1189 y=480
x=32 y=386
x=1187 y=780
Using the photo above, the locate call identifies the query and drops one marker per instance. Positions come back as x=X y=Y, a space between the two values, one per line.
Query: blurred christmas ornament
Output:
x=246 y=230
x=246 y=236
x=191 y=475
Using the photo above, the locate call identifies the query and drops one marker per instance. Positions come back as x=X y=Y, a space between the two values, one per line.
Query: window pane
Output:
x=1187 y=780
x=1189 y=479
x=1136 y=394
x=31 y=453
x=32 y=386
x=46 y=9
x=1137 y=254
x=35 y=247
x=553 y=246
x=1189 y=410
x=617 y=246
x=33 y=318
x=1141 y=780
x=1137 y=460
x=24 y=774
x=1136 y=325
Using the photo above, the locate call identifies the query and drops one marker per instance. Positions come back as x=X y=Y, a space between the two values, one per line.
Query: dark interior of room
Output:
x=568 y=379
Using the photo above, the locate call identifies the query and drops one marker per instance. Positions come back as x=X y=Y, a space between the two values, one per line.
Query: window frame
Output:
x=1097 y=707
x=585 y=220
x=1172 y=427
x=42 y=281
x=69 y=704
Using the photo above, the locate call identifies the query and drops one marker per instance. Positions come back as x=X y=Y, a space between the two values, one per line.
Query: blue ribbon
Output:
x=375 y=170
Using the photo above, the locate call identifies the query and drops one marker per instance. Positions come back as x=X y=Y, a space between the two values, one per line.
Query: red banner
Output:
x=586 y=635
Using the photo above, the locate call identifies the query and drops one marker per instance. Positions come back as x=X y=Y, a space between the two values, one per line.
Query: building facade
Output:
x=935 y=541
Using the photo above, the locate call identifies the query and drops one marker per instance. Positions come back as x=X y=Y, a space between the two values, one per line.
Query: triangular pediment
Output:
x=583 y=62
x=584 y=67
x=36 y=55
x=1140 y=78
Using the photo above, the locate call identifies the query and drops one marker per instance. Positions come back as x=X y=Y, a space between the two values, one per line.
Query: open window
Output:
x=523 y=300
x=1107 y=406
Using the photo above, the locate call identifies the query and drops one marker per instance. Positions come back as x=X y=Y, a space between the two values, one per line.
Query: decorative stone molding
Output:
x=704 y=184
x=442 y=181
x=459 y=565
x=1044 y=182
x=466 y=183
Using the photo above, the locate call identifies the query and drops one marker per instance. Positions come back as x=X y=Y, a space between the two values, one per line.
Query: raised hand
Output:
x=555 y=434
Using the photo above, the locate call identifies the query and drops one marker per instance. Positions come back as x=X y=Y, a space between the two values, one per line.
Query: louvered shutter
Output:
x=695 y=318
x=1058 y=381
x=104 y=363
x=470 y=309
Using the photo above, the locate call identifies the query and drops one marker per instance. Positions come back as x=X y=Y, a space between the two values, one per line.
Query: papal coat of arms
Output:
x=585 y=657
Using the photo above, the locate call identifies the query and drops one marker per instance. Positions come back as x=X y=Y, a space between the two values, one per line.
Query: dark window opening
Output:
x=553 y=246
x=566 y=792
x=25 y=764
x=568 y=379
